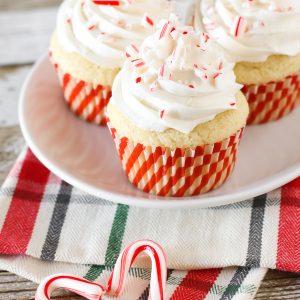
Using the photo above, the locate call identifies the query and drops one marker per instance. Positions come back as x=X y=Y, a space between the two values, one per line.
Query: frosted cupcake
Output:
x=262 y=37
x=177 y=114
x=88 y=47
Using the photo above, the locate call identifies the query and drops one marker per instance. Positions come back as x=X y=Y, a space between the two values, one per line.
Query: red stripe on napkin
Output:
x=288 y=252
x=20 y=219
x=196 y=284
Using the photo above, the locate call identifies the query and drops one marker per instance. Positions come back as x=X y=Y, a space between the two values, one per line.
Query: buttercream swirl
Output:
x=252 y=30
x=100 y=33
x=178 y=79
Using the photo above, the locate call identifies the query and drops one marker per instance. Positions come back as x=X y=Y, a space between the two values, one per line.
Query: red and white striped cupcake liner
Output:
x=272 y=101
x=178 y=172
x=87 y=100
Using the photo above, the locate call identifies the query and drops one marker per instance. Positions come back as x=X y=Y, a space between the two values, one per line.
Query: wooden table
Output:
x=24 y=31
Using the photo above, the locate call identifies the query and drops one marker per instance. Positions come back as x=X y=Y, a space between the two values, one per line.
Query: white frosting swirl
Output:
x=266 y=27
x=182 y=81
x=100 y=33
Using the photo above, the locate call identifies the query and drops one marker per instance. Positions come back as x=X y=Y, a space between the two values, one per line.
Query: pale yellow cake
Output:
x=223 y=126
x=80 y=68
x=275 y=68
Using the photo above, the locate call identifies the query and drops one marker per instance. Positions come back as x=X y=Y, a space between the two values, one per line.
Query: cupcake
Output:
x=88 y=47
x=176 y=113
x=262 y=38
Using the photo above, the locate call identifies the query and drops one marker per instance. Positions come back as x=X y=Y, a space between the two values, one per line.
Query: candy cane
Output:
x=132 y=51
x=111 y=2
x=154 y=86
x=239 y=26
x=216 y=75
x=104 y=2
x=161 y=113
x=147 y=21
x=138 y=62
x=125 y=260
x=164 y=73
x=167 y=28
x=80 y=286
x=94 y=291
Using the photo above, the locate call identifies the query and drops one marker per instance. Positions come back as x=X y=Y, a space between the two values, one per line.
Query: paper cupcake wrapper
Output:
x=178 y=172
x=272 y=101
x=87 y=100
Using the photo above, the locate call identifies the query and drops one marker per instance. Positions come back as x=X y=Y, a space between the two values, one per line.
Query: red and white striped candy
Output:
x=138 y=62
x=147 y=21
x=80 y=286
x=239 y=26
x=167 y=28
x=164 y=73
x=125 y=260
x=132 y=51
x=111 y=2
x=94 y=291
x=103 y=2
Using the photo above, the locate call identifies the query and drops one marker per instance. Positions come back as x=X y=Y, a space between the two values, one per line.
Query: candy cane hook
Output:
x=80 y=286
x=125 y=260
x=94 y=291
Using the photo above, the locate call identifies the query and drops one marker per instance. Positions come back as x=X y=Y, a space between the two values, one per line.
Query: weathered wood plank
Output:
x=11 y=81
x=11 y=144
x=17 y=286
x=21 y=289
x=273 y=275
x=9 y=278
x=28 y=4
x=24 y=35
x=29 y=294
x=279 y=285
x=276 y=286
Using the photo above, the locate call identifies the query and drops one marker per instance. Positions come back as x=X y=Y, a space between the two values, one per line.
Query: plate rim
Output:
x=252 y=190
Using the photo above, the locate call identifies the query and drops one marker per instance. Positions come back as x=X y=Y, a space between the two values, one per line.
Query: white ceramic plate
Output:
x=84 y=155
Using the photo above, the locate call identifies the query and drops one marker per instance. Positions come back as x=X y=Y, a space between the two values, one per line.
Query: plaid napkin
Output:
x=48 y=226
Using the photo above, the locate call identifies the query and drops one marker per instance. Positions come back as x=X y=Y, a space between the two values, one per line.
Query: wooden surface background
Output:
x=25 y=27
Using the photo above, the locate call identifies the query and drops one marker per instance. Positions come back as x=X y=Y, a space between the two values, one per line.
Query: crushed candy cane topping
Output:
x=251 y=30
x=177 y=79
x=100 y=30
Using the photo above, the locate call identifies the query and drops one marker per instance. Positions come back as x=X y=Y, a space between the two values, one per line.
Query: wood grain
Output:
x=11 y=144
x=11 y=81
x=24 y=34
x=13 y=287
x=276 y=286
